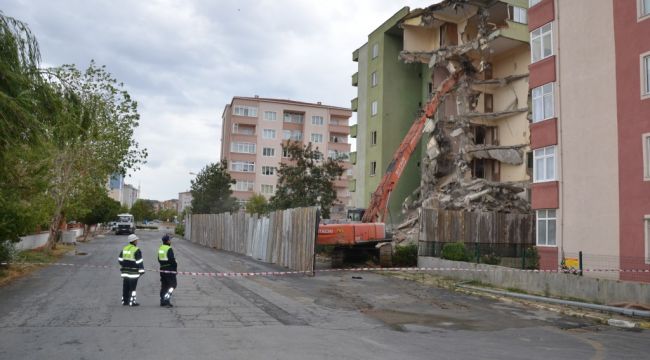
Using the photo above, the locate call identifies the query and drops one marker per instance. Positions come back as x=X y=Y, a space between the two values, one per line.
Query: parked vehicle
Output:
x=125 y=224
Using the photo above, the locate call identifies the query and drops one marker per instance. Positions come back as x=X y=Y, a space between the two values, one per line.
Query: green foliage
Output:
x=211 y=192
x=180 y=229
x=166 y=214
x=405 y=255
x=124 y=210
x=455 y=251
x=103 y=209
x=257 y=204
x=306 y=180
x=531 y=258
x=142 y=210
x=7 y=251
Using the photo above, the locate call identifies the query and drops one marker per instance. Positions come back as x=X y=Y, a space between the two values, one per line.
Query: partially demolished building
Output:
x=475 y=150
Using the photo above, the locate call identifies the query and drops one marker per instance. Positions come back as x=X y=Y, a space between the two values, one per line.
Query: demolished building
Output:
x=477 y=145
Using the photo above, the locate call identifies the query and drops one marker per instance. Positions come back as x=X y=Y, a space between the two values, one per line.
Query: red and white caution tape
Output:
x=365 y=269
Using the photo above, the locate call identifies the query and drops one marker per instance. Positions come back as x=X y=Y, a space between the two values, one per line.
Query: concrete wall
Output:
x=586 y=75
x=32 y=241
x=602 y=291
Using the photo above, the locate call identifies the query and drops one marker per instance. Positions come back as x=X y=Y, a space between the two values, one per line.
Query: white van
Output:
x=125 y=224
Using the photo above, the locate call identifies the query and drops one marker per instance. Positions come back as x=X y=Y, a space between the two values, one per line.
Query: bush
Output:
x=455 y=251
x=405 y=255
x=531 y=257
x=7 y=251
x=180 y=230
x=491 y=259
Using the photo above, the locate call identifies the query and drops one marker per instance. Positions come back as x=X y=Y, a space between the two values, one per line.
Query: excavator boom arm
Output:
x=379 y=199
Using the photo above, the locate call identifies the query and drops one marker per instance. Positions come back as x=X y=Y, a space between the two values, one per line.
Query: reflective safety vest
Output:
x=162 y=252
x=128 y=253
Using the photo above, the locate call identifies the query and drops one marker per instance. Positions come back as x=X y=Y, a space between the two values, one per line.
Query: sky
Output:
x=183 y=61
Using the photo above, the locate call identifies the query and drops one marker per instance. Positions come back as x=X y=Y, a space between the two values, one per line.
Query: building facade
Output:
x=118 y=190
x=255 y=128
x=389 y=96
x=184 y=201
x=591 y=189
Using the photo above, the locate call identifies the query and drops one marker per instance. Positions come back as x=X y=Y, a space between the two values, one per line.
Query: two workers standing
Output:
x=132 y=267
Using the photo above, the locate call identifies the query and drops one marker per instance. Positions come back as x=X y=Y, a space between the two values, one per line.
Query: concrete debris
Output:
x=456 y=132
x=494 y=115
x=429 y=126
x=506 y=154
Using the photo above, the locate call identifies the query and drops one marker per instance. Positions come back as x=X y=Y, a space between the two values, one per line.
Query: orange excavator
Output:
x=368 y=231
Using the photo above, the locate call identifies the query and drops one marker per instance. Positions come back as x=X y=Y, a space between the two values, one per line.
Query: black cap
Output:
x=165 y=238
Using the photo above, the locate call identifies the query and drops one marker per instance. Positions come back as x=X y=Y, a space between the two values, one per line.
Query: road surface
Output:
x=75 y=313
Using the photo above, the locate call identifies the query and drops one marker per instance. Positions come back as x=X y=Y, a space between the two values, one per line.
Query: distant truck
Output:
x=125 y=224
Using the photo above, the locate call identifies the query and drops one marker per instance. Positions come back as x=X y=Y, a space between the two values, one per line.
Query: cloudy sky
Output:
x=183 y=61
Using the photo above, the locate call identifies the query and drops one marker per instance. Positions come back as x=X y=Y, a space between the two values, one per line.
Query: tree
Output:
x=90 y=137
x=102 y=210
x=166 y=214
x=142 y=210
x=211 y=193
x=306 y=180
x=257 y=204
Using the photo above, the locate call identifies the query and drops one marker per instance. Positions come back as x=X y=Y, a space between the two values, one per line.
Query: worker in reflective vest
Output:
x=132 y=267
x=168 y=268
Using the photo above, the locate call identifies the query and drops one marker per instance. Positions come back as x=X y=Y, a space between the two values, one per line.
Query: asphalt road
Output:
x=75 y=313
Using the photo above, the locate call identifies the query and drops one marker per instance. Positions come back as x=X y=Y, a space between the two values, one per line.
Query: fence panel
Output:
x=286 y=237
x=501 y=234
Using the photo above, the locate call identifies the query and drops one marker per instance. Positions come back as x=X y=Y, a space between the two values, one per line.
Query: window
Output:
x=285 y=153
x=543 y=104
x=644 y=8
x=375 y=51
x=541 y=42
x=243 y=129
x=243 y=185
x=267 y=189
x=336 y=122
x=317 y=120
x=268 y=151
x=243 y=166
x=268 y=170
x=268 y=134
x=295 y=135
x=373 y=108
x=348 y=172
x=338 y=155
x=373 y=79
x=245 y=111
x=517 y=14
x=339 y=139
x=246 y=148
x=317 y=138
x=294 y=118
x=270 y=115
x=373 y=168
x=532 y=3
x=546 y=222
x=646 y=225
x=645 y=72
x=544 y=165
x=646 y=157
x=373 y=138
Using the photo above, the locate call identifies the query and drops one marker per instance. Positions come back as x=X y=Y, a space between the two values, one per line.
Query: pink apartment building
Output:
x=254 y=129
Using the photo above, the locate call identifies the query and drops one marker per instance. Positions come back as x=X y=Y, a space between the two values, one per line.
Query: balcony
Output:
x=353 y=157
x=355 y=55
x=352 y=185
x=354 y=104
x=355 y=79
x=353 y=131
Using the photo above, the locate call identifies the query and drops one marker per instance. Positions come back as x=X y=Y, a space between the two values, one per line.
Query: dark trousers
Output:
x=167 y=281
x=128 y=286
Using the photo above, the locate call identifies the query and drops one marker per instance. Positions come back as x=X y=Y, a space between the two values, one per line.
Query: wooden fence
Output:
x=285 y=237
x=491 y=230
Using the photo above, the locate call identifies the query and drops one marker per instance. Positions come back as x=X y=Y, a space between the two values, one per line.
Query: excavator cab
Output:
x=355 y=214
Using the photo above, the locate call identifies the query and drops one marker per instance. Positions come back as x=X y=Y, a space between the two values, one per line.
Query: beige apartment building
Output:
x=254 y=129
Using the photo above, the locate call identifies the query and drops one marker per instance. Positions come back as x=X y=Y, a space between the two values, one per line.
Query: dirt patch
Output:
x=29 y=261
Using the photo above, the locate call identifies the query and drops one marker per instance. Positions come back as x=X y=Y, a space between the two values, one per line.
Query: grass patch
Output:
x=28 y=261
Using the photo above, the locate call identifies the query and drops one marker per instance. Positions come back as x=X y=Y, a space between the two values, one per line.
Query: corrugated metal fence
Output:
x=285 y=237
x=506 y=233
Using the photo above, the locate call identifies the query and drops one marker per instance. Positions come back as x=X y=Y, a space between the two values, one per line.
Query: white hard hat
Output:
x=133 y=237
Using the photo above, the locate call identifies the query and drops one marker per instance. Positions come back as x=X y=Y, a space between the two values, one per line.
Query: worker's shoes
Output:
x=134 y=304
x=166 y=303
